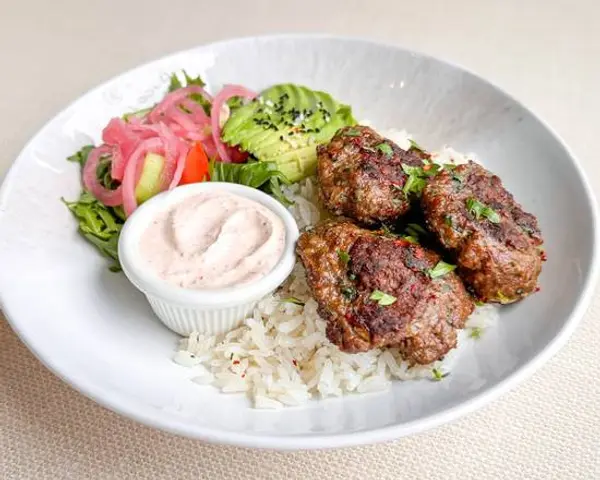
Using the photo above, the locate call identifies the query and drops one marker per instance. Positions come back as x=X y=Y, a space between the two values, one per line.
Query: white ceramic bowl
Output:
x=95 y=330
x=210 y=311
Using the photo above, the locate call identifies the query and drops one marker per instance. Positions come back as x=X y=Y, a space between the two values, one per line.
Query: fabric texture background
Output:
x=544 y=53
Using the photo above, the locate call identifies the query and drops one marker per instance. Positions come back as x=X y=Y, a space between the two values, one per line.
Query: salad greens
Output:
x=280 y=130
x=99 y=225
x=284 y=125
x=265 y=176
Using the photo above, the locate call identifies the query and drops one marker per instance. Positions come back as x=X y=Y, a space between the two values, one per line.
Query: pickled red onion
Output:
x=133 y=170
x=119 y=135
x=229 y=91
x=110 y=198
x=176 y=98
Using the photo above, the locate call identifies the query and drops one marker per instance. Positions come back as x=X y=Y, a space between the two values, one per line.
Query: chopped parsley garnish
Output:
x=417 y=176
x=412 y=170
x=415 y=229
x=479 y=303
x=457 y=178
x=352 y=132
x=414 y=184
x=503 y=298
x=441 y=269
x=448 y=220
x=478 y=210
x=387 y=232
x=344 y=256
x=410 y=239
x=382 y=298
x=415 y=146
x=351 y=276
x=349 y=292
x=385 y=149
x=475 y=333
x=437 y=375
x=293 y=300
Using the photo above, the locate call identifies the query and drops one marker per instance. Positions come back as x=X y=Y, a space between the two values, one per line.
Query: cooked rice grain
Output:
x=281 y=355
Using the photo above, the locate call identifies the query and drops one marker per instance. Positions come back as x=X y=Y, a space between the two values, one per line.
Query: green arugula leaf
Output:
x=441 y=269
x=81 y=156
x=98 y=224
x=382 y=298
x=175 y=83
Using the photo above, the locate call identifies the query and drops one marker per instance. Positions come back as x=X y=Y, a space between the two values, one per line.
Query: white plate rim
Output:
x=309 y=442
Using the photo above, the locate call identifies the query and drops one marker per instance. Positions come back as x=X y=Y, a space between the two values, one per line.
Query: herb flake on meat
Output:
x=478 y=210
x=441 y=269
x=415 y=146
x=349 y=293
x=352 y=132
x=385 y=149
x=382 y=298
x=343 y=256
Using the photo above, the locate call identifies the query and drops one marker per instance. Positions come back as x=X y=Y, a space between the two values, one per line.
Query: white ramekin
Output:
x=210 y=311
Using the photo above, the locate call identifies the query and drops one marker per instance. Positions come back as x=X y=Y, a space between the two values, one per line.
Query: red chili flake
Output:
x=236 y=362
x=243 y=375
x=418 y=253
x=295 y=363
x=544 y=257
x=537 y=289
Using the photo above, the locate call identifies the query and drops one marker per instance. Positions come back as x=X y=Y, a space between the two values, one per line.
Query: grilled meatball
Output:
x=495 y=242
x=361 y=177
x=348 y=267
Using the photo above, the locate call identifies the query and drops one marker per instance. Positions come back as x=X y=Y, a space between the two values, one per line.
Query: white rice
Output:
x=281 y=355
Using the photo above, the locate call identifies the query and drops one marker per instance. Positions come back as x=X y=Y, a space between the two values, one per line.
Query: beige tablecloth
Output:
x=546 y=53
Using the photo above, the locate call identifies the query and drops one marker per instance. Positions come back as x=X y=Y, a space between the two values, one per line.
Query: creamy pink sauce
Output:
x=213 y=240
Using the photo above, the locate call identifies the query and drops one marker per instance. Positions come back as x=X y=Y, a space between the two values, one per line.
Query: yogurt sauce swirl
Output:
x=213 y=240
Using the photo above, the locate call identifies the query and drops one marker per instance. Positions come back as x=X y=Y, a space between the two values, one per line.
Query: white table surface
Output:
x=545 y=53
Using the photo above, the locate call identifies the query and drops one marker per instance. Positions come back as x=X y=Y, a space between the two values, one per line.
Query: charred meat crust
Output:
x=497 y=250
x=361 y=177
x=423 y=319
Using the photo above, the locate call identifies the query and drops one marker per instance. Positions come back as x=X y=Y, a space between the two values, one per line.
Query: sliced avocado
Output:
x=150 y=180
x=285 y=124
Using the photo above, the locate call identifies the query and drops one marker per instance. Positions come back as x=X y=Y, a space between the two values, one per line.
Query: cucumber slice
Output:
x=150 y=180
